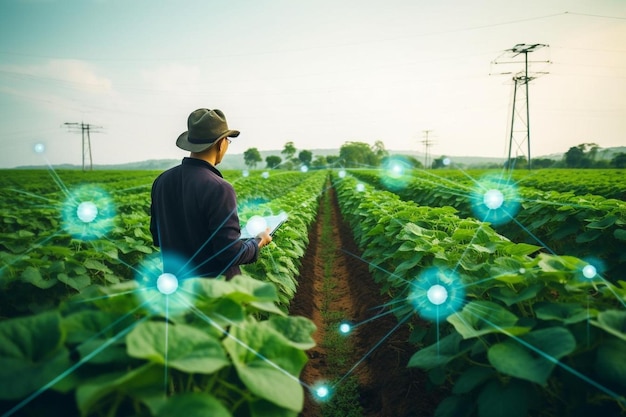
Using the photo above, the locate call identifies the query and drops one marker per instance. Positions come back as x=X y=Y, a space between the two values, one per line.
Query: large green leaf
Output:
x=140 y=382
x=197 y=404
x=534 y=355
x=612 y=321
x=438 y=354
x=33 y=276
x=510 y=400
x=267 y=363
x=471 y=378
x=241 y=288
x=32 y=354
x=483 y=317
x=509 y=296
x=568 y=313
x=90 y=329
x=610 y=363
x=296 y=330
x=179 y=346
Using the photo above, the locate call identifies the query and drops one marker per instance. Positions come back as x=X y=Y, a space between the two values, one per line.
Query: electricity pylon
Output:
x=521 y=79
x=85 y=130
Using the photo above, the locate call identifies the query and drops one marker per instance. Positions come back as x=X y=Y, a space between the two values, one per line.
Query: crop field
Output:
x=390 y=292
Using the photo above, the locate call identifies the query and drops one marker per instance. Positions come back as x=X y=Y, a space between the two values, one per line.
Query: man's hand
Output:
x=264 y=238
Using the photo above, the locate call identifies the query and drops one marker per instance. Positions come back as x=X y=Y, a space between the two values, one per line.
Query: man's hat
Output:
x=205 y=127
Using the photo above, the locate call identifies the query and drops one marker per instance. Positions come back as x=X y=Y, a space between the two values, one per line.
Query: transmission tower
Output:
x=519 y=136
x=85 y=130
x=427 y=142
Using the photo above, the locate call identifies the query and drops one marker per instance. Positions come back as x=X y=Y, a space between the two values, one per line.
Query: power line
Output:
x=427 y=142
x=85 y=130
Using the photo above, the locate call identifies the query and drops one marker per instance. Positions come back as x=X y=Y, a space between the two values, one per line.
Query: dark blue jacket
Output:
x=194 y=221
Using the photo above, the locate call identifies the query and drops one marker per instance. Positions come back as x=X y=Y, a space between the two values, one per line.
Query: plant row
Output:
x=516 y=329
x=609 y=183
x=280 y=263
x=97 y=337
x=48 y=252
x=590 y=226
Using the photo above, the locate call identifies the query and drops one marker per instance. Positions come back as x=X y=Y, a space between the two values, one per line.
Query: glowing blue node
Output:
x=395 y=174
x=160 y=290
x=437 y=293
x=167 y=283
x=345 y=328
x=245 y=173
x=304 y=168
x=590 y=271
x=493 y=199
x=360 y=187
x=87 y=211
x=321 y=393
x=256 y=224
x=446 y=161
x=593 y=268
x=265 y=174
x=342 y=173
x=39 y=148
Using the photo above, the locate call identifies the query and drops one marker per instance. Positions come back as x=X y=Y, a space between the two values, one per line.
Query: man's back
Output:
x=195 y=222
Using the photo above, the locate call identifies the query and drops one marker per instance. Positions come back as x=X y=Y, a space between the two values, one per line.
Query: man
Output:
x=194 y=216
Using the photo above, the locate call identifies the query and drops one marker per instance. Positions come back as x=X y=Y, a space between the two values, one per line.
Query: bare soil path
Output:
x=386 y=387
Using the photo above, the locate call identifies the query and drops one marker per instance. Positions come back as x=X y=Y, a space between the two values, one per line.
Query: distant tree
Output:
x=539 y=163
x=619 y=160
x=289 y=150
x=319 y=162
x=358 y=154
x=379 y=149
x=575 y=156
x=273 y=161
x=305 y=157
x=439 y=163
x=251 y=157
x=332 y=160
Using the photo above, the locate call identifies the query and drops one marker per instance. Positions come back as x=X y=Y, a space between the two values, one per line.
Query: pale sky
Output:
x=317 y=73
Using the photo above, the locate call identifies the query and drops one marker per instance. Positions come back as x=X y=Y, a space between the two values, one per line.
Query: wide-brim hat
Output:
x=204 y=128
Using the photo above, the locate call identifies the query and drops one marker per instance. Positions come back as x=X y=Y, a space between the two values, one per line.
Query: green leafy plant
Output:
x=109 y=351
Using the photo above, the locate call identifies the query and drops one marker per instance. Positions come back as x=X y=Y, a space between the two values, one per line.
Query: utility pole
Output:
x=427 y=144
x=521 y=81
x=85 y=130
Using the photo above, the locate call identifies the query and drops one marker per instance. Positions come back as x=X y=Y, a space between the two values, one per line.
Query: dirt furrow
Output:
x=386 y=387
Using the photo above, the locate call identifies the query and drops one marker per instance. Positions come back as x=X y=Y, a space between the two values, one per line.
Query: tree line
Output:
x=362 y=155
